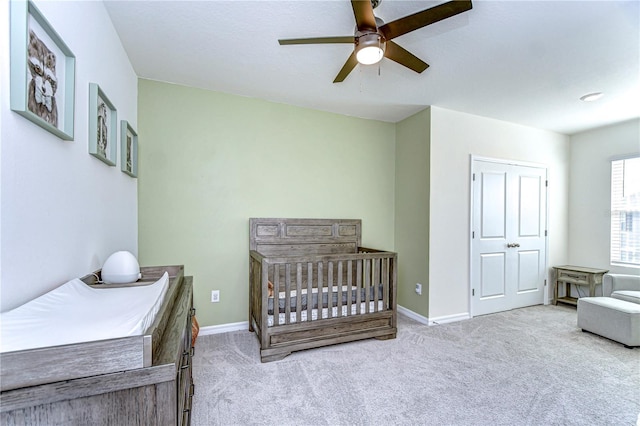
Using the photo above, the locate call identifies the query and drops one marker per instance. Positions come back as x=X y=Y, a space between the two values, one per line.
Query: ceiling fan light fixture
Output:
x=369 y=55
x=369 y=49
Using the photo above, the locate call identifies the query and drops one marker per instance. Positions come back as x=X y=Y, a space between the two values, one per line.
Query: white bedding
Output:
x=325 y=313
x=75 y=312
x=314 y=290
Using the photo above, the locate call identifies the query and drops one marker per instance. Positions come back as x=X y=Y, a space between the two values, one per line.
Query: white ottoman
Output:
x=614 y=319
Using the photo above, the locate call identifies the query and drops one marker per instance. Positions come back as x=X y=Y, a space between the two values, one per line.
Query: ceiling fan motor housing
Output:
x=371 y=39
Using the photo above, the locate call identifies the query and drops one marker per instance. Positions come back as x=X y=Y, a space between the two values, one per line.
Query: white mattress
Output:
x=75 y=312
x=314 y=290
x=293 y=317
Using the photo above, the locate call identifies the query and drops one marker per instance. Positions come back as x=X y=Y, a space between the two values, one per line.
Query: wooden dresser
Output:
x=156 y=394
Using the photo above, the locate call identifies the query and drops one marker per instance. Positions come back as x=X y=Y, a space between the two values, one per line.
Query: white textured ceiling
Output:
x=525 y=62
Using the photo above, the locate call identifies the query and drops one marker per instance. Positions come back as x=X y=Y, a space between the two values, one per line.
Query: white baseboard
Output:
x=449 y=318
x=433 y=321
x=224 y=328
x=244 y=325
x=414 y=316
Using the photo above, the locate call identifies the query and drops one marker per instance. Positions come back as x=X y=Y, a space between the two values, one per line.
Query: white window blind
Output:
x=625 y=211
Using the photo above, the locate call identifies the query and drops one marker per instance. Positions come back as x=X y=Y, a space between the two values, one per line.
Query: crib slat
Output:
x=339 y=293
x=319 y=294
x=358 y=286
x=367 y=284
x=264 y=308
x=385 y=281
x=375 y=281
x=276 y=294
x=287 y=294
x=309 y=290
x=298 y=292
x=372 y=287
x=349 y=286
x=330 y=291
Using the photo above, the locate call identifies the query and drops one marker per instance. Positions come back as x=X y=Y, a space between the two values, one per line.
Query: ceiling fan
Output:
x=373 y=38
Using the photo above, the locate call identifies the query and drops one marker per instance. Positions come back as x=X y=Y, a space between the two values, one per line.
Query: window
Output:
x=625 y=212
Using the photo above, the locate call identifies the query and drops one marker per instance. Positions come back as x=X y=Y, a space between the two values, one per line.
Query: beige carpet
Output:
x=529 y=366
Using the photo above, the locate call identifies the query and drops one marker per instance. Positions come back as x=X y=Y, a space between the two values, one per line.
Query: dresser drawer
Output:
x=573 y=277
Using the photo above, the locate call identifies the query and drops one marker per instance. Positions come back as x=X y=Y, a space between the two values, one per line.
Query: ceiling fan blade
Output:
x=318 y=40
x=347 y=68
x=402 y=56
x=363 y=11
x=410 y=23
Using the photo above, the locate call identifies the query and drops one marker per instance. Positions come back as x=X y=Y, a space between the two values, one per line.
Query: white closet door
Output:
x=508 y=236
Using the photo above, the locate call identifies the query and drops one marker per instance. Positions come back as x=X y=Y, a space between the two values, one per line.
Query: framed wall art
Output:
x=128 y=149
x=42 y=71
x=103 y=126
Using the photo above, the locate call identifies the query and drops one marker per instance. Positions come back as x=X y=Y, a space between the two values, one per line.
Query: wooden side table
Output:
x=578 y=276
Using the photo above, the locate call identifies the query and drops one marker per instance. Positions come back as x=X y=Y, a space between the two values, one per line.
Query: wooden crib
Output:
x=311 y=285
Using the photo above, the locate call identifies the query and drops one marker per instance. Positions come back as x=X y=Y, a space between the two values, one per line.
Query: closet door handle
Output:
x=512 y=245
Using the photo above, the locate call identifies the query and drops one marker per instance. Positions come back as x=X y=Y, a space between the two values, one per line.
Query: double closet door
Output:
x=508 y=245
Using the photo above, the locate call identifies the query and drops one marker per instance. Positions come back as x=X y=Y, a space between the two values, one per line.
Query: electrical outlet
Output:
x=418 y=288
x=215 y=296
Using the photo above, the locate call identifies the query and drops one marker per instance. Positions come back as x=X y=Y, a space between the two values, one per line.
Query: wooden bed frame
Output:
x=131 y=380
x=311 y=264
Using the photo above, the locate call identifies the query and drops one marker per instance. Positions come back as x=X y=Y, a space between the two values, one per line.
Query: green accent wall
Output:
x=209 y=161
x=413 y=144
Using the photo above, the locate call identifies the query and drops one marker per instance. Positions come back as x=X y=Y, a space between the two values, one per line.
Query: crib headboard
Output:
x=271 y=236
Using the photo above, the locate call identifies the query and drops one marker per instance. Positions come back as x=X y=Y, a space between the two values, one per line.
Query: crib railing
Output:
x=290 y=290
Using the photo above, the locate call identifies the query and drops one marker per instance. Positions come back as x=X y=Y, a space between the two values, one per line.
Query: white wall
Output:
x=454 y=138
x=590 y=191
x=63 y=211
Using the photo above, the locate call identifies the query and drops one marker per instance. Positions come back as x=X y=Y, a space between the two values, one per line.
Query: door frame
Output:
x=472 y=159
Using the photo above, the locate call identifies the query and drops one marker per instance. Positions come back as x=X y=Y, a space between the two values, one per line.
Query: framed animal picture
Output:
x=103 y=126
x=42 y=71
x=128 y=149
